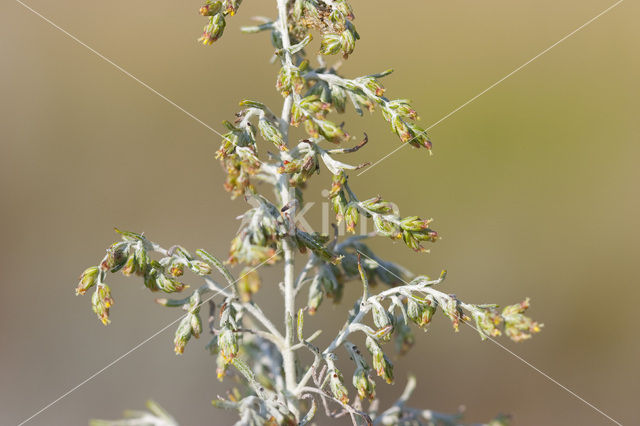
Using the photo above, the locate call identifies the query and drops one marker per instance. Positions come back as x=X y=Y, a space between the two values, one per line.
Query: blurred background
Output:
x=533 y=187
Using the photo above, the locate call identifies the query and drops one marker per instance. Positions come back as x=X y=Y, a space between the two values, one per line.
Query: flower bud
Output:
x=213 y=31
x=231 y=6
x=222 y=366
x=210 y=8
x=386 y=228
x=426 y=234
x=116 y=257
x=343 y=7
x=428 y=310
x=141 y=260
x=101 y=301
x=130 y=265
x=306 y=168
x=381 y=318
x=411 y=241
x=402 y=107
x=183 y=334
x=338 y=99
x=151 y=275
x=382 y=364
x=414 y=310
x=330 y=44
x=200 y=267
x=168 y=285
x=487 y=323
x=363 y=383
x=316 y=294
x=413 y=223
x=351 y=217
x=270 y=132
x=330 y=130
x=88 y=279
x=339 y=206
x=451 y=308
x=290 y=166
x=297 y=115
x=518 y=326
x=196 y=323
x=336 y=384
x=228 y=342
x=176 y=269
x=337 y=182
x=377 y=205
x=416 y=136
x=289 y=79
x=348 y=42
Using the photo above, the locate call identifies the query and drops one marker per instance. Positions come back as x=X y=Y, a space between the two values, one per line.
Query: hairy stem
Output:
x=288 y=354
x=289 y=312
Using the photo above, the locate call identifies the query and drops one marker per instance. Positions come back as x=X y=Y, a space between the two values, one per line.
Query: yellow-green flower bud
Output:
x=428 y=310
x=228 y=343
x=88 y=279
x=183 y=334
x=200 y=267
x=210 y=8
x=351 y=217
x=330 y=44
x=363 y=383
x=130 y=266
x=270 y=132
x=168 y=285
x=196 y=324
x=316 y=294
x=116 y=257
x=214 y=29
x=336 y=384
x=101 y=301
x=382 y=364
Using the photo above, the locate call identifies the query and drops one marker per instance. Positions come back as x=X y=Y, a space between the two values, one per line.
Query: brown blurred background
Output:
x=534 y=188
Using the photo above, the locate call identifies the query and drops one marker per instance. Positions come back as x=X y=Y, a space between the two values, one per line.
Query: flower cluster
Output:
x=412 y=229
x=277 y=386
x=216 y=12
x=190 y=325
x=258 y=239
x=332 y=19
x=368 y=93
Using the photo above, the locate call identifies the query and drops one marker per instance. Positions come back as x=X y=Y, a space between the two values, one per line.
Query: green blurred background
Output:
x=534 y=188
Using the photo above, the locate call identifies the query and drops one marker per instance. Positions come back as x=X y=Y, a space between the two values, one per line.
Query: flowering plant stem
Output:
x=289 y=256
x=275 y=386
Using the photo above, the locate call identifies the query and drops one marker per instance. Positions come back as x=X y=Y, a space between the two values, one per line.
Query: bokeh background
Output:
x=534 y=188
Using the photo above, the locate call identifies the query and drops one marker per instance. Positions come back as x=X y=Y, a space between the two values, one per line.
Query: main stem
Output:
x=288 y=354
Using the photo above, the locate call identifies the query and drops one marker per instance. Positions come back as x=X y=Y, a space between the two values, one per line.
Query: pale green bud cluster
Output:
x=332 y=20
x=363 y=383
x=216 y=12
x=101 y=301
x=190 y=325
x=323 y=283
x=260 y=233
